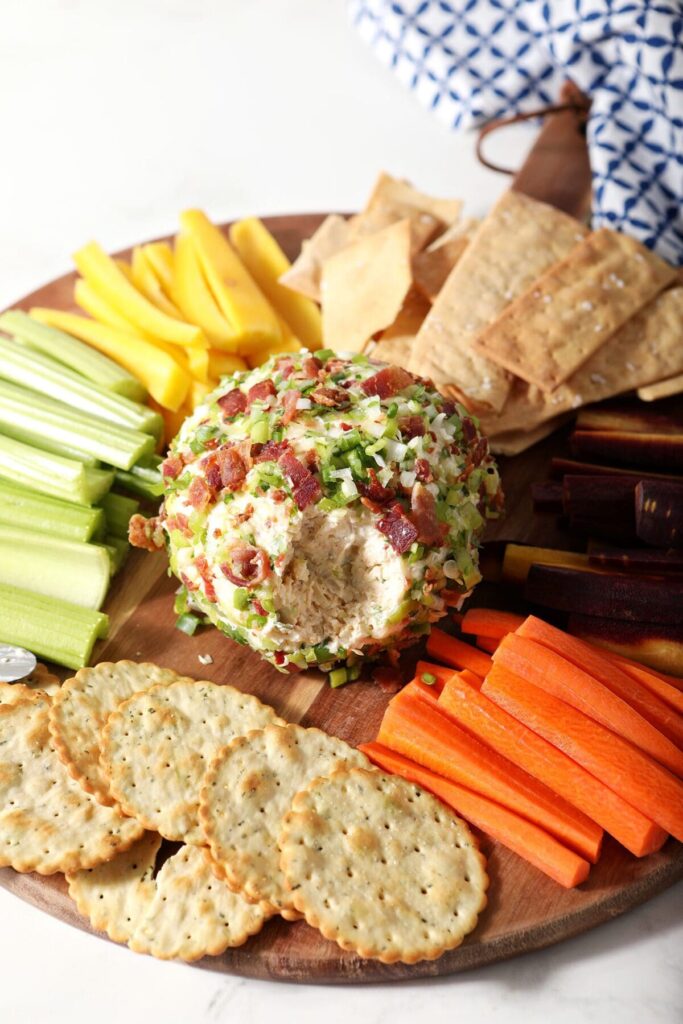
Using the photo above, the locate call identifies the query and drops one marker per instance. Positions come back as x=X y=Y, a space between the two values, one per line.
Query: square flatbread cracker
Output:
x=183 y=912
x=157 y=745
x=662 y=389
x=364 y=286
x=304 y=274
x=47 y=822
x=646 y=349
x=396 y=342
x=569 y=313
x=432 y=267
x=515 y=441
x=381 y=866
x=81 y=708
x=247 y=791
x=398 y=197
x=517 y=241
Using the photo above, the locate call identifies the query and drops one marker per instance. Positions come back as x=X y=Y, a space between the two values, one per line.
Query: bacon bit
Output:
x=423 y=471
x=188 y=583
x=202 y=567
x=179 y=522
x=250 y=566
x=172 y=467
x=311 y=365
x=217 y=533
x=397 y=528
x=305 y=487
x=285 y=366
x=469 y=431
x=387 y=678
x=212 y=473
x=233 y=402
x=245 y=515
x=270 y=451
x=146 y=533
x=200 y=494
x=278 y=495
x=311 y=459
x=423 y=509
x=258 y=608
x=448 y=406
x=289 y=404
x=335 y=365
x=261 y=392
x=375 y=491
x=346 y=426
x=234 y=462
x=279 y=657
x=479 y=452
x=412 y=426
x=388 y=382
x=372 y=505
x=332 y=398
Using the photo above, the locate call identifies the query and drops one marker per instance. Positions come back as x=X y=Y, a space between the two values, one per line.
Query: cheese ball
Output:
x=325 y=508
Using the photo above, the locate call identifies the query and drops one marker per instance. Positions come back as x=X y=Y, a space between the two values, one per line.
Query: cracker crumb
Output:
x=630 y=366
x=205 y=659
x=547 y=298
x=577 y=400
x=588 y=306
x=597 y=328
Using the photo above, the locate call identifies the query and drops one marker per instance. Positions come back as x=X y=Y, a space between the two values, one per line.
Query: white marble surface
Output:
x=116 y=114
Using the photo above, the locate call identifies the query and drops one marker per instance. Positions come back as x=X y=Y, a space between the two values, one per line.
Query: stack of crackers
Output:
x=185 y=814
x=523 y=317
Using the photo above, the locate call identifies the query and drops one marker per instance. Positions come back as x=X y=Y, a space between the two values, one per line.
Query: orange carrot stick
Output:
x=527 y=840
x=512 y=739
x=663 y=689
x=487 y=643
x=422 y=733
x=457 y=654
x=563 y=679
x=593 y=661
x=641 y=782
x=490 y=622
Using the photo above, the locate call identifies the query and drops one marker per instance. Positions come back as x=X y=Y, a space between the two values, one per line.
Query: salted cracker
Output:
x=518 y=240
x=81 y=708
x=569 y=312
x=364 y=285
x=382 y=867
x=662 y=389
x=157 y=745
x=400 y=198
x=247 y=791
x=395 y=343
x=182 y=912
x=47 y=822
x=304 y=274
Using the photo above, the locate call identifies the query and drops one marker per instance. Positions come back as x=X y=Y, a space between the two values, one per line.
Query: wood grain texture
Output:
x=526 y=911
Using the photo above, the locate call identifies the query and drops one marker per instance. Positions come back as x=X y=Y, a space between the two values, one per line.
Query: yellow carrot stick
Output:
x=288 y=343
x=103 y=274
x=145 y=280
x=160 y=258
x=222 y=363
x=198 y=361
x=160 y=372
x=236 y=293
x=266 y=262
x=192 y=295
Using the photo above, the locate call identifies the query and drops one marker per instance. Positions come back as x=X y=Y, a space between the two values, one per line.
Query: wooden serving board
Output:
x=526 y=910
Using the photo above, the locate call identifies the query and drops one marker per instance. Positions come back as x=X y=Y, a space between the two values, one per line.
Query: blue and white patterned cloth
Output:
x=474 y=60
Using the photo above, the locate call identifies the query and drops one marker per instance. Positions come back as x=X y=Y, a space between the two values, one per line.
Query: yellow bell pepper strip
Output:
x=288 y=343
x=222 y=363
x=238 y=297
x=145 y=280
x=266 y=262
x=192 y=295
x=91 y=302
x=103 y=274
x=160 y=372
x=160 y=258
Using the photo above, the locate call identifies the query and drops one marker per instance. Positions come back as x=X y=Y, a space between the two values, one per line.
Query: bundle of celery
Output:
x=72 y=423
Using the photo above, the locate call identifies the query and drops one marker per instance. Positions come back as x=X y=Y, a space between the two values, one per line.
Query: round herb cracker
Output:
x=47 y=822
x=40 y=683
x=157 y=745
x=82 y=707
x=249 y=788
x=381 y=866
x=182 y=911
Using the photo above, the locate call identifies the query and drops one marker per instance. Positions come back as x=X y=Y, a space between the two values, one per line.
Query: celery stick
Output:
x=46 y=443
x=73 y=353
x=41 y=373
x=23 y=409
x=52 y=629
x=52 y=474
x=119 y=549
x=66 y=569
x=33 y=511
x=118 y=510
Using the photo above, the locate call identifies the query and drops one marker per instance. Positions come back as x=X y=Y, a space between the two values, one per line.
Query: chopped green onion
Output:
x=323 y=354
x=338 y=677
x=187 y=623
x=256 y=621
x=392 y=411
x=260 y=431
x=322 y=654
x=351 y=439
x=241 y=599
x=355 y=462
x=428 y=678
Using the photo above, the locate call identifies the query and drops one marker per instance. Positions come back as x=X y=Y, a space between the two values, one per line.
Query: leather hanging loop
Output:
x=579 y=107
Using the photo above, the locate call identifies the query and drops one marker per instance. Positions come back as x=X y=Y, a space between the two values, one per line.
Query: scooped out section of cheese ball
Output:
x=322 y=508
